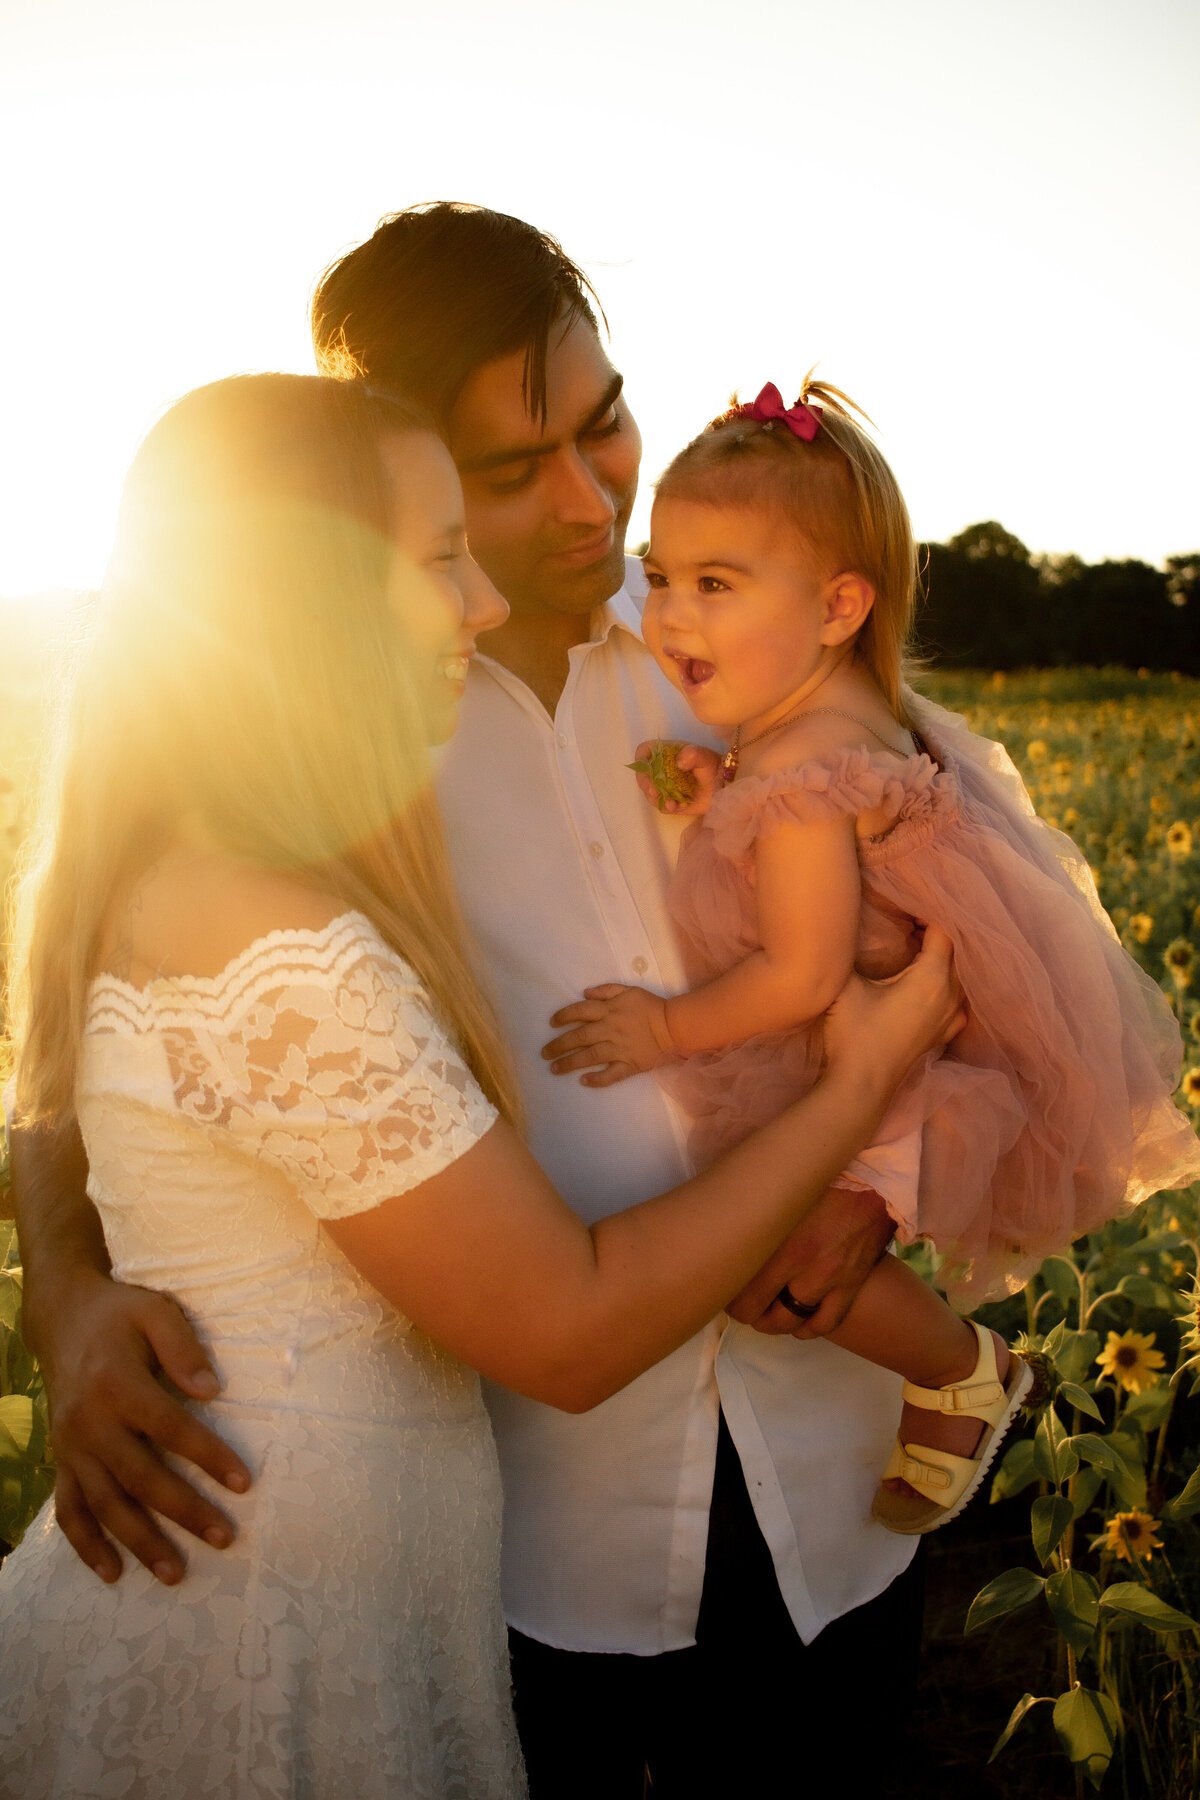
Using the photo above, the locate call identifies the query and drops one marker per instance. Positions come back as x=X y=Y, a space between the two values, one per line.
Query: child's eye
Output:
x=711 y=584
x=654 y=579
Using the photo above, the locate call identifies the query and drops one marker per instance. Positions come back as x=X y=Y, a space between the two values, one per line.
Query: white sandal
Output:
x=944 y=1483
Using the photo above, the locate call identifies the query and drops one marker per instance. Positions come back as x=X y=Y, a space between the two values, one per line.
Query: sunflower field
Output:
x=1063 y=1622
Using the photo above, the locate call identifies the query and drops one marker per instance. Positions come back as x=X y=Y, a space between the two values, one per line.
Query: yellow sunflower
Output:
x=1180 y=959
x=1179 y=840
x=1132 y=1534
x=1131 y=1360
x=1140 y=927
x=1189 y=1087
x=1038 y=750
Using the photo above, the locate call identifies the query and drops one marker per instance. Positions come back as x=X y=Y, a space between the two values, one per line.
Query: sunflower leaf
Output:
x=1074 y=1602
x=1087 y=1725
x=1077 y=1355
x=1016 y=1471
x=1186 y=1503
x=16 y=1424
x=1050 y=1516
x=1144 y=1290
x=1062 y=1279
x=1134 y=1601
x=1149 y=1408
x=1016 y=1587
x=1081 y=1399
x=1084 y=1488
x=1024 y=1705
x=1054 y=1456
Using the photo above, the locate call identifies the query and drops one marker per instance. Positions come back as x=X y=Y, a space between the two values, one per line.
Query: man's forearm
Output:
x=59 y=1228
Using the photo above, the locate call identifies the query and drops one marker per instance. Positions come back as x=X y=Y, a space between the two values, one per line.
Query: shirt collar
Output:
x=624 y=610
x=622 y=613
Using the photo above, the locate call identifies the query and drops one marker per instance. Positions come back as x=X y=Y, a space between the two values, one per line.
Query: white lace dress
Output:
x=351 y=1642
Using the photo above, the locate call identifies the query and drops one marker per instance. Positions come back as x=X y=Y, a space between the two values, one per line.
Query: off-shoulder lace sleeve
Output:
x=851 y=782
x=319 y=1052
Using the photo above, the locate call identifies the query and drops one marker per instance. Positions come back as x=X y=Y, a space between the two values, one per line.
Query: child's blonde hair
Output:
x=838 y=493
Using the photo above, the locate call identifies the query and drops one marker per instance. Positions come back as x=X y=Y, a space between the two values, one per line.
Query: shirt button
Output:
x=640 y=965
x=562 y=740
x=597 y=850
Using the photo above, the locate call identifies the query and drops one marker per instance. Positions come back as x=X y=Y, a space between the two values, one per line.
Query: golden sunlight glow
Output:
x=968 y=235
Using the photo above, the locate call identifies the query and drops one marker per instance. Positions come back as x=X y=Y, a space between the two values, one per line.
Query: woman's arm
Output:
x=488 y=1260
x=807 y=893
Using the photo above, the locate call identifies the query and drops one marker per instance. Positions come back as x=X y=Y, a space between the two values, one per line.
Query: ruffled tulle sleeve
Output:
x=319 y=1053
x=844 y=786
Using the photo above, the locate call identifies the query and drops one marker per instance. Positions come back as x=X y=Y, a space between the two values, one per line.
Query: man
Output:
x=715 y=1629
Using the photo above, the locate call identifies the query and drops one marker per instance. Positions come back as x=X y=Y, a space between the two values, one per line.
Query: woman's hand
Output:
x=698 y=766
x=882 y=1027
x=617 y=1031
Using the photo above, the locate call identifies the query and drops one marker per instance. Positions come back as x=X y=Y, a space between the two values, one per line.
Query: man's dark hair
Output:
x=438 y=291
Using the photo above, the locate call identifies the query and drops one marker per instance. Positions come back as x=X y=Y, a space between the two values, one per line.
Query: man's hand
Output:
x=105 y=1358
x=695 y=762
x=824 y=1263
x=617 y=1031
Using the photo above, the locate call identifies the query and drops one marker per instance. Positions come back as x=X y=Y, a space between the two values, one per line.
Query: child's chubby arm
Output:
x=807 y=884
x=676 y=778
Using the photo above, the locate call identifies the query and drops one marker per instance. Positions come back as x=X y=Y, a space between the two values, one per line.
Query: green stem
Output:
x=1111 y=1294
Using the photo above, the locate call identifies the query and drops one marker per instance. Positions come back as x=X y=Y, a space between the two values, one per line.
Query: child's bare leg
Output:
x=899 y=1322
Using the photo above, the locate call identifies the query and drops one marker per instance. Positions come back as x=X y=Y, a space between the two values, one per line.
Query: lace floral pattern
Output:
x=351 y=1641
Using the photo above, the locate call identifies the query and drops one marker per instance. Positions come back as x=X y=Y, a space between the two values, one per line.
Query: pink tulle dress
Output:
x=1051 y=1112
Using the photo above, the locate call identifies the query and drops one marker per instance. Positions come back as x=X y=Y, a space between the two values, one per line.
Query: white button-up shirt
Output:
x=562 y=869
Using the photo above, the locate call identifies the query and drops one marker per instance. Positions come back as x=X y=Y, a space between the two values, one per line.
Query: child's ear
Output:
x=848 y=599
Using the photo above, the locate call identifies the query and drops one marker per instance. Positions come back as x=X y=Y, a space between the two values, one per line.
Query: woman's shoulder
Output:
x=192 y=914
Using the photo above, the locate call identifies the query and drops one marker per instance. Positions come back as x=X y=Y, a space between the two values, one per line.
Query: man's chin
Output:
x=583 y=589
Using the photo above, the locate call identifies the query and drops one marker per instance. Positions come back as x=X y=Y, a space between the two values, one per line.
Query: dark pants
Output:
x=749 y=1711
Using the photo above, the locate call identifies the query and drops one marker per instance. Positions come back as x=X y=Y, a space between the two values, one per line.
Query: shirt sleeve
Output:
x=338 y=1075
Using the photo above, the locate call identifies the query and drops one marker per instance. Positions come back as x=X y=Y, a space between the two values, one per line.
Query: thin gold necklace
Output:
x=729 y=761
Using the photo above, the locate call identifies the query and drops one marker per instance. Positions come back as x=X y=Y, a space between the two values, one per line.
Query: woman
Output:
x=239 y=959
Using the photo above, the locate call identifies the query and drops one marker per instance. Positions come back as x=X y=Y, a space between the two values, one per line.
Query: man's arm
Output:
x=105 y=1351
x=824 y=1262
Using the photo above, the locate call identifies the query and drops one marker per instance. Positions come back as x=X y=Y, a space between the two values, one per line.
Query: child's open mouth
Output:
x=693 y=670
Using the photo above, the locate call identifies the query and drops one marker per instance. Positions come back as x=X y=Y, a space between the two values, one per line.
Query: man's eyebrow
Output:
x=510 y=453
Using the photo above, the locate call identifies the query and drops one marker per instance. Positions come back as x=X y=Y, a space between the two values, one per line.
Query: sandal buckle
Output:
x=965 y=1399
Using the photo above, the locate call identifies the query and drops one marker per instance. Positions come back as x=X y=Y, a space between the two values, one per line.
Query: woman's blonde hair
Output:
x=247 y=671
x=837 y=492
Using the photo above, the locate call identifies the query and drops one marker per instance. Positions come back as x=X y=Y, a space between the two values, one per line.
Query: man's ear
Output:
x=847 y=600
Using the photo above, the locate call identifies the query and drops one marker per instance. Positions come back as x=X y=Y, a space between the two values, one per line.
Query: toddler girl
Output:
x=847 y=813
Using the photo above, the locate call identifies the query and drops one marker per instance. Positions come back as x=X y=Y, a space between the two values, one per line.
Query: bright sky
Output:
x=979 y=215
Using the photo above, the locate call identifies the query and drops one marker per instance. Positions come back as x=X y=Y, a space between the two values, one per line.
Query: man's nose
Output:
x=483 y=607
x=580 y=497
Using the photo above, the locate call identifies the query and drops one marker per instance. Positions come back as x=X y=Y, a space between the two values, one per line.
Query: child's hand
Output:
x=618 y=1031
x=677 y=778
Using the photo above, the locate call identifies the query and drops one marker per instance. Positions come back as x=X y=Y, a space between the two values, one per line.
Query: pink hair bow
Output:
x=802 y=421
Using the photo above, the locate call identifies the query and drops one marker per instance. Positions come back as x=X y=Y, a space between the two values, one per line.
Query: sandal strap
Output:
x=959 y=1398
x=982 y=1396
x=935 y=1474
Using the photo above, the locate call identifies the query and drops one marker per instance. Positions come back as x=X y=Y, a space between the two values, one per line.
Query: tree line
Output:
x=989 y=604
